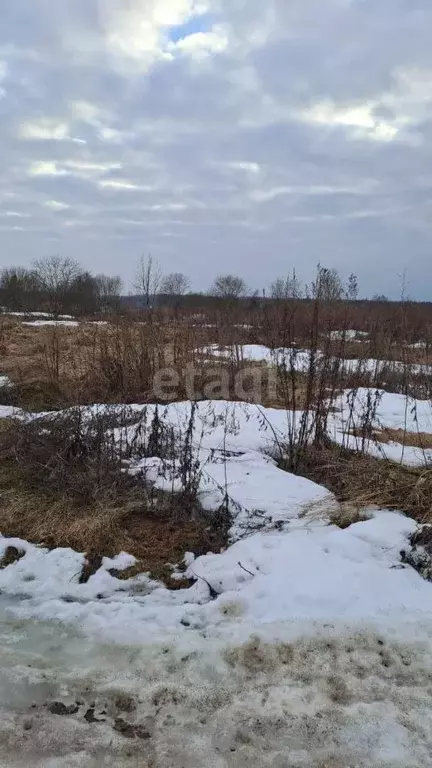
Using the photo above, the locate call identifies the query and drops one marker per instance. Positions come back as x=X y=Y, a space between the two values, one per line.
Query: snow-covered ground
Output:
x=301 y=645
x=391 y=411
x=42 y=315
x=293 y=694
x=313 y=572
x=299 y=359
x=316 y=650
x=48 y=323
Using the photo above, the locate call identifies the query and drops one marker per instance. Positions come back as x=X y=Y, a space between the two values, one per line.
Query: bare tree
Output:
x=109 y=290
x=56 y=276
x=277 y=289
x=286 y=288
x=148 y=279
x=352 y=289
x=328 y=285
x=19 y=289
x=175 y=284
x=228 y=287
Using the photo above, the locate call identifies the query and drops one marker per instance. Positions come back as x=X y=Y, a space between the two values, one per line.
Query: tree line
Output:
x=59 y=286
x=328 y=285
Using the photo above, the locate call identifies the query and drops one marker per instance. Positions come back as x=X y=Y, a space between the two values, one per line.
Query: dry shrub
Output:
x=62 y=483
x=117 y=362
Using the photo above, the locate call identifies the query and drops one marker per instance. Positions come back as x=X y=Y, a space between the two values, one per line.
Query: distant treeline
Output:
x=60 y=286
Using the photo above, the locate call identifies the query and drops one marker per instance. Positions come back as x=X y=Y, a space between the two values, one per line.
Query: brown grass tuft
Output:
x=360 y=481
x=421 y=440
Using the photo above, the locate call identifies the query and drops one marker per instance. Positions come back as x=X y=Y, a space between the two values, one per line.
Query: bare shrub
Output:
x=64 y=481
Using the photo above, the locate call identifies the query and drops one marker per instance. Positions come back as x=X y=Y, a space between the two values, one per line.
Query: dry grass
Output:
x=53 y=367
x=56 y=367
x=386 y=435
x=158 y=542
x=61 y=491
x=421 y=440
x=360 y=481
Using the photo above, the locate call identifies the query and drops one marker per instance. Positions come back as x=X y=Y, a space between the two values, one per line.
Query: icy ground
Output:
x=300 y=646
x=313 y=650
x=334 y=698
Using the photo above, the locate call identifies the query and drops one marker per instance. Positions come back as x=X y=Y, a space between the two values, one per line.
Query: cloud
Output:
x=199 y=45
x=3 y=75
x=221 y=135
x=268 y=195
x=56 y=205
x=88 y=168
x=146 y=32
x=13 y=214
x=45 y=168
x=45 y=129
x=359 y=119
x=122 y=185
x=240 y=165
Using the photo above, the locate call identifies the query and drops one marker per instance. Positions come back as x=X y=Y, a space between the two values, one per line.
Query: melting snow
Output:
x=301 y=642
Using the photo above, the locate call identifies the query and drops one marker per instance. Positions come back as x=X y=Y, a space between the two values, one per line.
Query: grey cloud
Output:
x=249 y=160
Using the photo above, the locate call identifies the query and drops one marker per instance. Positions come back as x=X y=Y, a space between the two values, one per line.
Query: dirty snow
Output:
x=335 y=696
x=317 y=650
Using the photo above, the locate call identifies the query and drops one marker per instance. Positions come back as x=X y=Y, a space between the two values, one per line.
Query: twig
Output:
x=213 y=593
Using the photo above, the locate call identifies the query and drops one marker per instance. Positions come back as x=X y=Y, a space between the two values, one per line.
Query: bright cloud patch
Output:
x=122 y=185
x=202 y=44
x=45 y=168
x=359 y=119
x=45 y=129
x=156 y=30
x=56 y=205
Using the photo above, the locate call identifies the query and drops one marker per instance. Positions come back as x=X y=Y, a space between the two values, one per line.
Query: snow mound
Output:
x=316 y=572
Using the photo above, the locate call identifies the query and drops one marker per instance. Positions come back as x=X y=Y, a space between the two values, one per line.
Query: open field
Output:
x=339 y=407
x=200 y=493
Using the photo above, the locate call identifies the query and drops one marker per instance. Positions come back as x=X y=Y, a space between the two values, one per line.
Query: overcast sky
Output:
x=244 y=136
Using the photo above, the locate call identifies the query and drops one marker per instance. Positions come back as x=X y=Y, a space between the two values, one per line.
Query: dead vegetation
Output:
x=360 y=481
x=119 y=361
x=422 y=440
x=420 y=554
x=63 y=484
